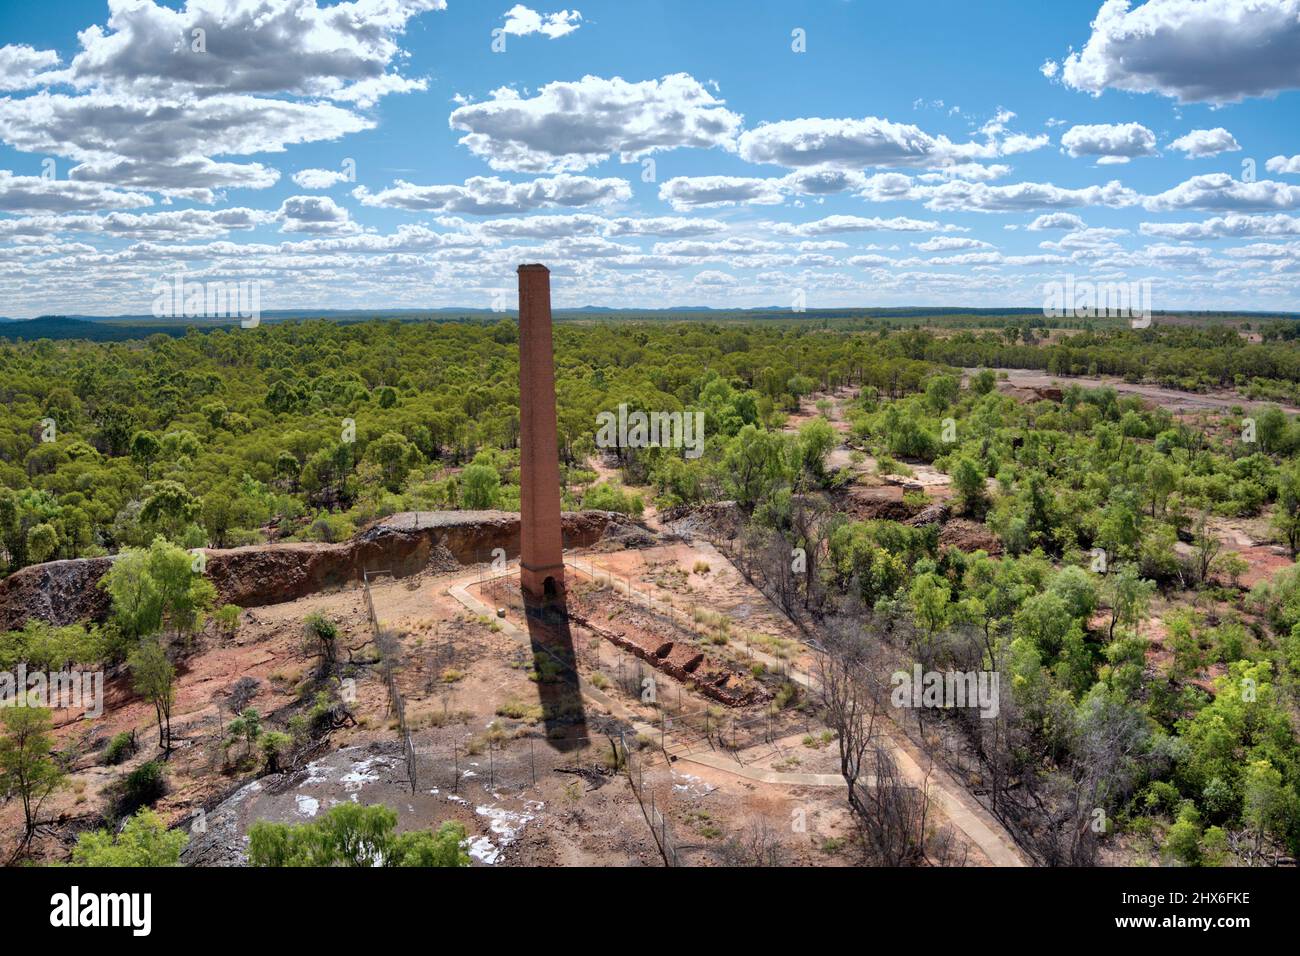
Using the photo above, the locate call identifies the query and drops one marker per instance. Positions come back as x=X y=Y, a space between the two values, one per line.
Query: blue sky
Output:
x=400 y=153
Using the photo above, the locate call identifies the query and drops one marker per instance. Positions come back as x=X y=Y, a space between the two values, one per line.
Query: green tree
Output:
x=248 y=728
x=145 y=449
x=275 y=746
x=1077 y=588
x=968 y=480
x=395 y=457
x=218 y=516
x=1270 y=426
x=170 y=508
x=1286 y=518
x=929 y=596
x=604 y=496
x=137 y=603
x=1046 y=621
x=156 y=587
x=754 y=465
x=42 y=542
x=143 y=841
x=26 y=768
x=941 y=391
x=1270 y=808
x=352 y=835
x=227 y=618
x=1183 y=841
x=12 y=535
x=322 y=639
x=1128 y=595
x=815 y=441
x=480 y=487
x=1161 y=482
x=154 y=678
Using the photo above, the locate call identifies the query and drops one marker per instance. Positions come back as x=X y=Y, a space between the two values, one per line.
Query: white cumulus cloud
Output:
x=1109 y=142
x=1216 y=51
x=522 y=21
x=573 y=125
x=1283 y=164
x=489 y=195
x=1201 y=143
x=1219 y=191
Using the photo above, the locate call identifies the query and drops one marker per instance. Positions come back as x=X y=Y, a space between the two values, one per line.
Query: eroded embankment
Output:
x=64 y=592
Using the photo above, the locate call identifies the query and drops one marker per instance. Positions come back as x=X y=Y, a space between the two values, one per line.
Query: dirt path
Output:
x=1170 y=398
x=927 y=477
x=614 y=476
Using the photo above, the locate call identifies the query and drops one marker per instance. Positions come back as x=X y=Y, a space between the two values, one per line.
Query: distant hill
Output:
x=117 y=328
x=63 y=327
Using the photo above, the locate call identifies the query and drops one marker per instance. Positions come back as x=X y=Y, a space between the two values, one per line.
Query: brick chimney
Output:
x=542 y=549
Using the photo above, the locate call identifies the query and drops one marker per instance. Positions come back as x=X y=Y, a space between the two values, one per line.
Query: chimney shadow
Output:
x=563 y=713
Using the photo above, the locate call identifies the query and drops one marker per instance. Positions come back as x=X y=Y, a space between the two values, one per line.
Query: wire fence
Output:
x=389 y=652
x=688 y=617
x=684 y=727
x=498 y=766
x=665 y=839
x=501 y=763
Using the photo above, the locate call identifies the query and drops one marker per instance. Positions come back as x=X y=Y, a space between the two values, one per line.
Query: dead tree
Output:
x=852 y=699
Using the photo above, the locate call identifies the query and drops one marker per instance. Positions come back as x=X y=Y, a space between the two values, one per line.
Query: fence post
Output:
x=532 y=761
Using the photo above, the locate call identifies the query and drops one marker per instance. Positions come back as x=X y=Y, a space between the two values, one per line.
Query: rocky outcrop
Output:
x=966 y=535
x=60 y=592
x=716 y=521
x=64 y=592
x=937 y=513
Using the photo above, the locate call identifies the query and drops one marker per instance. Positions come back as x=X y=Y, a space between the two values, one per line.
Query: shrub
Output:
x=607 y=497
x=120 y=747
x=276 y=746
x=227 y=618
x=144 y=841
x=352 y=835
x=322 y=638
x=142 y=787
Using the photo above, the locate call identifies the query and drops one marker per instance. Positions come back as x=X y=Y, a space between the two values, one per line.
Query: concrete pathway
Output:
x=717 y=761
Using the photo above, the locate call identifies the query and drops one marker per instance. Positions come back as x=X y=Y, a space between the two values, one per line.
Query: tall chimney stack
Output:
x=542 y=549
